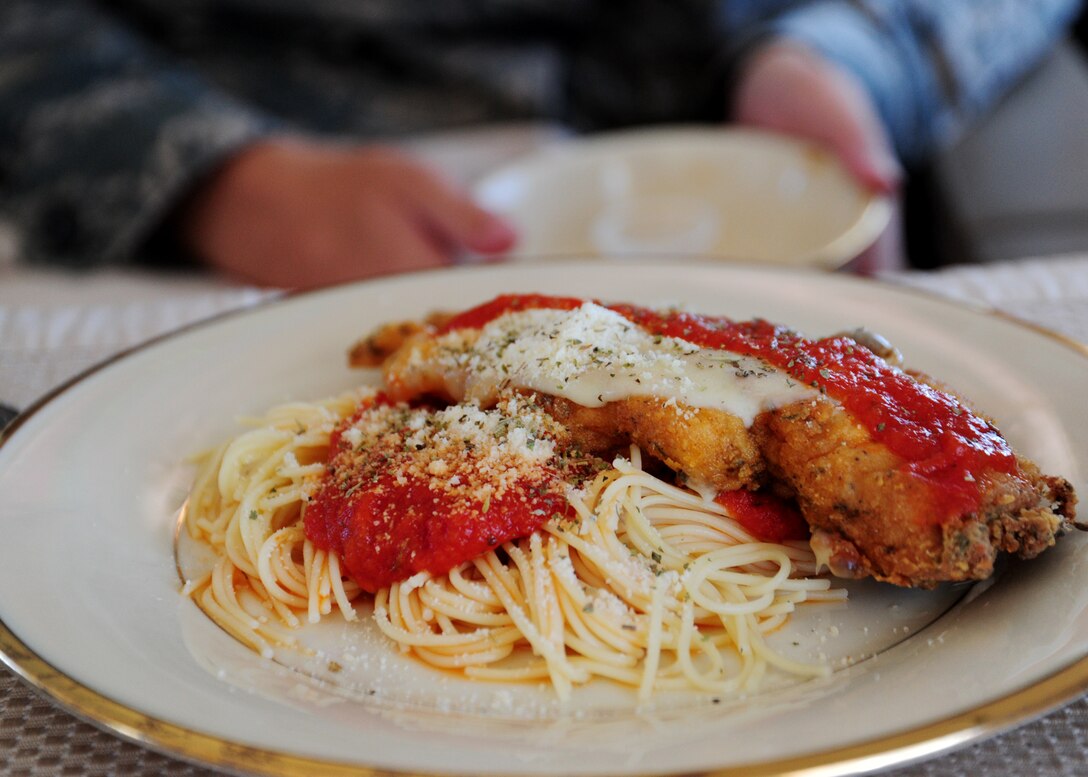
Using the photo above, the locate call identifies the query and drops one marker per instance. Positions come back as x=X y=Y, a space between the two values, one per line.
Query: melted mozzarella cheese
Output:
x=592 y=356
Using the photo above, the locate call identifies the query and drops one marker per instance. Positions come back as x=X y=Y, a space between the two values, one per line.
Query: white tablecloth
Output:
x=53 y=326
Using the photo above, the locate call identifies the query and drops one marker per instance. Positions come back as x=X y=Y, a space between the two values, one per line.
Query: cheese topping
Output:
x=409 y=489
x=593 y=355
x=461 y=449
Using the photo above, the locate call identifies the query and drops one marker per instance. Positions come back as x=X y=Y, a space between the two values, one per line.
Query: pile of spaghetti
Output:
x=603 y=569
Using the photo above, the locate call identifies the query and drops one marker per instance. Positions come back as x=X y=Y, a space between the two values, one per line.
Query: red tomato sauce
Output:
x=479 y=316
x=386 y=525
x=387 y=531
x=935 y=435
x=764 y=516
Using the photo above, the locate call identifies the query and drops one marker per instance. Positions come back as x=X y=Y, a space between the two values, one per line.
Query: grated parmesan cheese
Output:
x=461 y=449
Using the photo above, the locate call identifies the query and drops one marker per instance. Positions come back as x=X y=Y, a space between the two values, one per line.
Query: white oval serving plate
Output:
x=736 y=194
x=92 y=478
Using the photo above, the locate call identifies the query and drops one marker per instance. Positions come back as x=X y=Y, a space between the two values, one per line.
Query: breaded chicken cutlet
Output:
x=898 y=479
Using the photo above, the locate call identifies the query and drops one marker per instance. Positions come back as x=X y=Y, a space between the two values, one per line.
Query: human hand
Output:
x=787 y=87
x=297 y=214
x=790 y=88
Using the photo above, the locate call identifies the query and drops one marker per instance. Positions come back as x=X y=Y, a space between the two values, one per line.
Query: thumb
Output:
x=459 y=221
x=861 y=143
x=489 y=233
x=789 y=88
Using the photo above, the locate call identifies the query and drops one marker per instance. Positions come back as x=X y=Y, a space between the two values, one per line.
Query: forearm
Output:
x=930 y=66
x=100 y=137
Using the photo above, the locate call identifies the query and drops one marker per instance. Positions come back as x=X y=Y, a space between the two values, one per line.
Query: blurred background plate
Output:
x=730 y=193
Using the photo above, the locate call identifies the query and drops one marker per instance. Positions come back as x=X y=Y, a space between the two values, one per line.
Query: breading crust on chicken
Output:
x=870 y=515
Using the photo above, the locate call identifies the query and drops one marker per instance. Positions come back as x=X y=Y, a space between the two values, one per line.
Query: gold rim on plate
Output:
x=894 y=750
x=989 y=719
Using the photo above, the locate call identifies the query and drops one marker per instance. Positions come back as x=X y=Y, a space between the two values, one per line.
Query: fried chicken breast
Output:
x=873 y=511
x=872 y=516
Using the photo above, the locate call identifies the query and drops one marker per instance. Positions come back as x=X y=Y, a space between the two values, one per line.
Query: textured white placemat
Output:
x=55 y=325
x=1050 y=292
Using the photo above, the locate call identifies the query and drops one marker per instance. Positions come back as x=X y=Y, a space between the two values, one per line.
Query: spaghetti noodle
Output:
x=640 y=581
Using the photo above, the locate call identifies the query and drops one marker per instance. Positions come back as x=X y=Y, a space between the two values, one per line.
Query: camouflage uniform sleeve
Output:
x=100 y=135
x=931 y=66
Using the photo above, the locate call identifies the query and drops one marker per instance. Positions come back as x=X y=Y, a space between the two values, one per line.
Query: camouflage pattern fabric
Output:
x=112 y=112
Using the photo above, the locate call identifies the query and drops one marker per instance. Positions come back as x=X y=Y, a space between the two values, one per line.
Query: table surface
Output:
x=53 y=326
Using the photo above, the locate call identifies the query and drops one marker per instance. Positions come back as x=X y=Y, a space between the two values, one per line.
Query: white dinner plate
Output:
x=735 y=194
x=91 y=481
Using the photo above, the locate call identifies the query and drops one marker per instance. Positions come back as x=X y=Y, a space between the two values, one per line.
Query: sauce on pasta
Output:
x=415 y=489
x=766 y=517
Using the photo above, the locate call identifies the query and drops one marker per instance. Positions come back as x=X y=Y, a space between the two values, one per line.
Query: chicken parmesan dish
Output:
x=551 y=488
